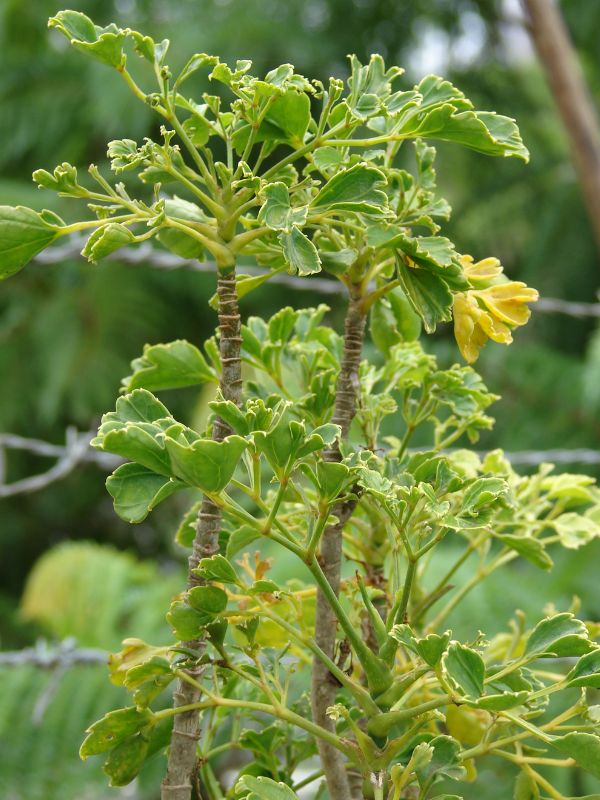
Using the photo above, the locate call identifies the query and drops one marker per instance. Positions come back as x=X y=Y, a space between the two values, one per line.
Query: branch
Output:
x=177 y=783
x=76 y=451
x=324 y=688
x=559 y=61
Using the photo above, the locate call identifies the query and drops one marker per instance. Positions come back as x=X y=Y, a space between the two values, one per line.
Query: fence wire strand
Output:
x=77 y=450
x=146 y=255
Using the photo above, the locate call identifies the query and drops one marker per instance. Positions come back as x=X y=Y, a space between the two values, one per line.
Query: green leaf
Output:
x=531 y=549
x=245 y=284
x=105 y=240
x=355 y=189
x=263 y=742
x=286 y=120
x=105 y=44
x=63 y=180
x=186 y=530
x=326 y=158
x=587 y=671
x=261 y=788
x=125 y=761
x=484 y=131
x=137 y=406
x=481 y=493
x=465 y=669
x=282 y=324
x=560 y=635
x=369 y=83
x=169 y=366
x=428 y=294
x=223 y=73
x=299 y=252
x=209 y=600
x=444 y=762
x=240 y=538
x=149 y=679
x=501 y=702
x=280 y=444
x=525 y=787
x=571 y=489
x=206 y=464
x=393 y=320
x=136 y=490
x=264 y=587
x=435 y=253
x=374 y=483
x=196 y=62
x=435 y=90
x=114 y=728
x=337 y=261
x=135 y=653
x=216 y=568
x=407 y=323
x=187 y=623
x=276 y=212
x=237 y=420
x=197 y=127
x=583 y=747
x=431 y=647
x=176 y=241
x=124 y=155
x=290 y=114
x=23 y=234
x=287 y=443
x=575 y=530
x=139 y=442
x=147 y=48
x=447 y=797
x=75 y=25
x=332 y=478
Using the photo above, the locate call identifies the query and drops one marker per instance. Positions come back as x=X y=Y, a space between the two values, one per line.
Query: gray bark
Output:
x=182 y=763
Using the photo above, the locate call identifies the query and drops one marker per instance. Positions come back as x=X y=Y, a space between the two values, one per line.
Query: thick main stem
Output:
x=324 y=686
x=177 y=784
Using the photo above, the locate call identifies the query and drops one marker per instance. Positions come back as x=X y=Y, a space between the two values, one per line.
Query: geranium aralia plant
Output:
x=304 y=177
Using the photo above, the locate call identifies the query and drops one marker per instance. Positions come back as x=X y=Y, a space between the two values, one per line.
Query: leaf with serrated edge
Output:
x=299 y=252
x=169 y=366
x=23 y=234
x=112 y=729
x=465 y=668
x=587 y=671
x=355 y=189
x=206 y=464
x=560 y=635
x=136 y=491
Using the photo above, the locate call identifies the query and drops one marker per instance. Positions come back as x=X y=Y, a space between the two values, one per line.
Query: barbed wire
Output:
x=76 y=450
x=146 y=255
x=52 y=656
x=57 y=659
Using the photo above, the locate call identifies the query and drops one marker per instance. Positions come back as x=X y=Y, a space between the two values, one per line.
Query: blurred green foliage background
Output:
x=69 y=330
